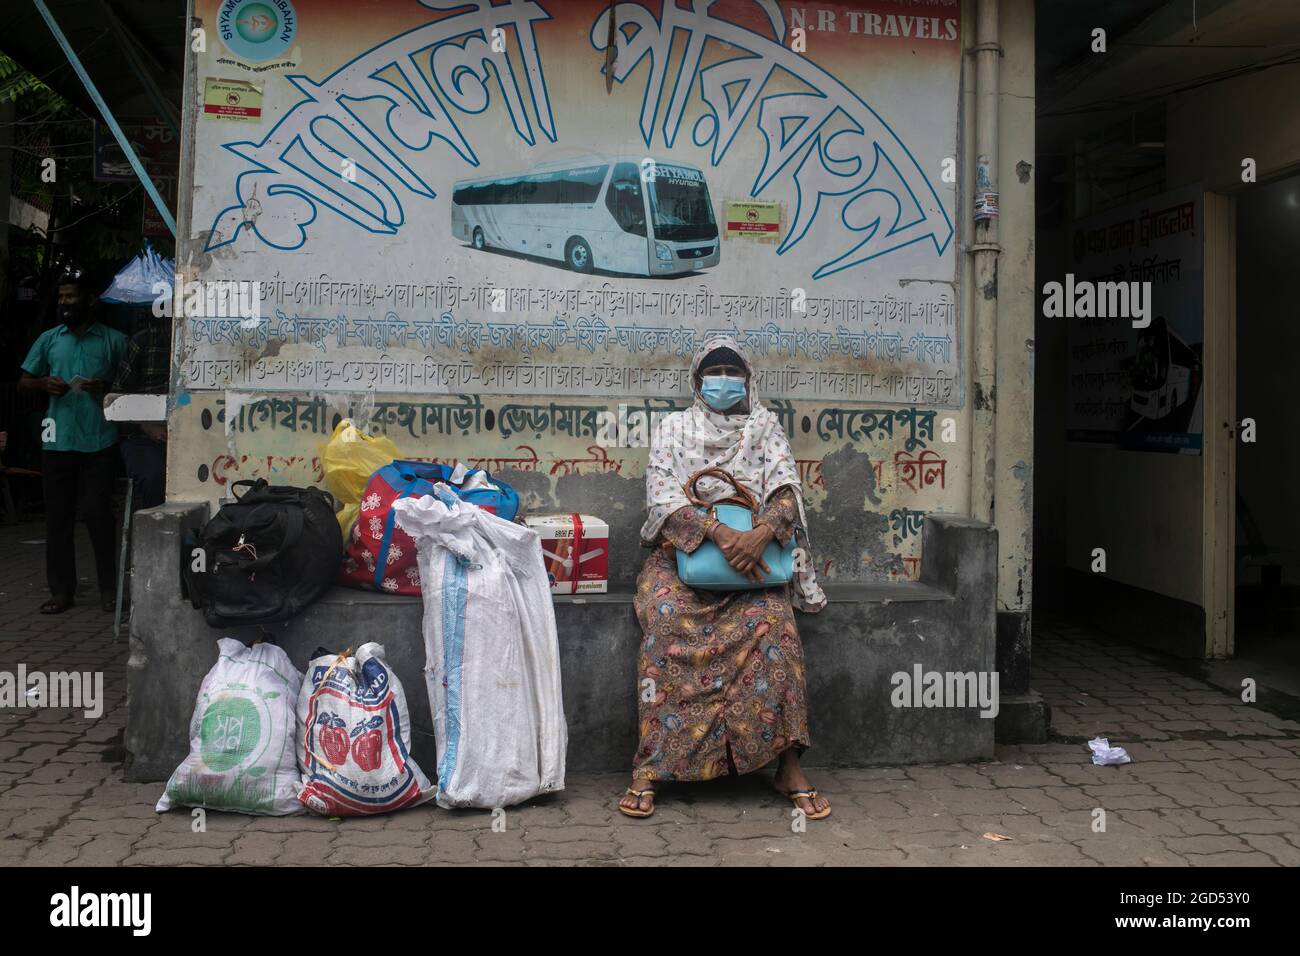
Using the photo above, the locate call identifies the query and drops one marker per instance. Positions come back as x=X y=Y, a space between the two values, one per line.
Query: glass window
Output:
x=545 y=188
x=680 y=205
x=624 y=199
x=581 y=185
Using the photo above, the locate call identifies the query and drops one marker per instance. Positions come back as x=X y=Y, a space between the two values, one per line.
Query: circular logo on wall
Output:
x=257 y=29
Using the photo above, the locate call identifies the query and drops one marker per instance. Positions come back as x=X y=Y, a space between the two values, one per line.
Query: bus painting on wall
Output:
x=1134 y=387
x=1166 y=375
x=619 y=215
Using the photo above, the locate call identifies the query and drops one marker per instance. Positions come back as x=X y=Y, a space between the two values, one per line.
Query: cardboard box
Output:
x=587 y=571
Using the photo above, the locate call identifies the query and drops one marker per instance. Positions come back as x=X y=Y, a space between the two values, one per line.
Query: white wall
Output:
x=1144 y=509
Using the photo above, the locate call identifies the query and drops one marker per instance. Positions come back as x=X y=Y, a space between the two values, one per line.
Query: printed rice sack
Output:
x=356 y=738
x=243 y=754
x=492 y=660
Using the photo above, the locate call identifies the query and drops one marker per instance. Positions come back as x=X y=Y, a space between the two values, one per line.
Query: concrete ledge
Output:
x=866 y=633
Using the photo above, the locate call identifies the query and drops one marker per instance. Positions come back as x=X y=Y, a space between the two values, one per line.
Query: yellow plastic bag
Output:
x=349 y=458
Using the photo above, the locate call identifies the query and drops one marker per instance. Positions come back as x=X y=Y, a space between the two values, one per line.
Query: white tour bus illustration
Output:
x=619 y=214
x=1165 y=374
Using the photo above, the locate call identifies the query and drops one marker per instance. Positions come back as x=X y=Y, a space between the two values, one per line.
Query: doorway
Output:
x=1267 y=553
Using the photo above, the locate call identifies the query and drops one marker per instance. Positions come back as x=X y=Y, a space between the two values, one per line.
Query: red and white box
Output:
x=575 y=551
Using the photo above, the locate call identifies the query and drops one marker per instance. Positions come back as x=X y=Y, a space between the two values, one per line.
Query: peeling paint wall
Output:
x=1017 y=305
x=864 y=487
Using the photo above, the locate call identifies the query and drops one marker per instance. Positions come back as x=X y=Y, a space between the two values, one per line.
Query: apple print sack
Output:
x=379 y=556
x=243 y=749
x=492 y=661
x=355 y=738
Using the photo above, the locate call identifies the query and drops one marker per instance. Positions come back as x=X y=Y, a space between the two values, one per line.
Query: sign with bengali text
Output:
x=450 y=199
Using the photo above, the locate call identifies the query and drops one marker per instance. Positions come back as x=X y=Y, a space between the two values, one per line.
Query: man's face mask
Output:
x=722 y=392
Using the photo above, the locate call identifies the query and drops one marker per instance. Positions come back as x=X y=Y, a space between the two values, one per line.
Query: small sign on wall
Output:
x=239 y=100
x=752 y=219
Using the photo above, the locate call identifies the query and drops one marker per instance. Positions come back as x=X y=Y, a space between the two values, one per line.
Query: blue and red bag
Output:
x=381 y=556
x=355 y=755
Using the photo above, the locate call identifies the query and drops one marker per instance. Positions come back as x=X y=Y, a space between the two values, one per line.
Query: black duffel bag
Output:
x=267 y=555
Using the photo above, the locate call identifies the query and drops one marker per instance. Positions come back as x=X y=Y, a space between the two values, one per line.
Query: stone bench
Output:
x=868 y=632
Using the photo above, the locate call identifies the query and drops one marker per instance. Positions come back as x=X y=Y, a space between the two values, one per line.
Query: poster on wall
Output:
x=760 y=221
x=151 y=138
x=531 y=198
x=1136 y=371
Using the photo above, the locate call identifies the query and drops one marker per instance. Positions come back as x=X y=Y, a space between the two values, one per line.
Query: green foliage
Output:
x=15 y=82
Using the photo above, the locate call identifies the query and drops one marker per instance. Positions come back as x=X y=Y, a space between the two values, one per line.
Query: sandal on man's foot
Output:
x=794 y=796
x=637 y=811
x=56 y=605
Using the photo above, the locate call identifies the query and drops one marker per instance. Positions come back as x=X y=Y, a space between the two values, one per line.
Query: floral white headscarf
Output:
x=752 y=447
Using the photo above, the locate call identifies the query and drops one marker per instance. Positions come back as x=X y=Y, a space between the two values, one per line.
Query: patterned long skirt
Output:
x=720 y=674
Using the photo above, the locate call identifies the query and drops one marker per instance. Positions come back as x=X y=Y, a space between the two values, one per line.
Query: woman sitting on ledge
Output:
x=720 y=675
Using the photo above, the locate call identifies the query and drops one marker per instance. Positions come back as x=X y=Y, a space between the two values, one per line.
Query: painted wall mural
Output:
x=473 y=224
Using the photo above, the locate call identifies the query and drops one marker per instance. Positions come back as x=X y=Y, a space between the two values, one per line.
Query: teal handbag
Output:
x=706 y=568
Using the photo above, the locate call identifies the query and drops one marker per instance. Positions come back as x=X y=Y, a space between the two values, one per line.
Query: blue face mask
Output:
x=721 y=392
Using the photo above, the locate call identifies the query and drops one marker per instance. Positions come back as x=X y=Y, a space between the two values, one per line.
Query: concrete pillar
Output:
x=1023 y=716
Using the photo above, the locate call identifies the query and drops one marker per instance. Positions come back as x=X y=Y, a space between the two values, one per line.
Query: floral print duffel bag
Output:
x=379 y=556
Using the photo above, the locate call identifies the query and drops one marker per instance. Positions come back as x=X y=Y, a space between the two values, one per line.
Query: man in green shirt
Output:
x=73 y=362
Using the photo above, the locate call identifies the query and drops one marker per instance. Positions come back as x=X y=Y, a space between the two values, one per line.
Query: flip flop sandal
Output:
x=55 y=606
x=794 y=796
x=638 y=812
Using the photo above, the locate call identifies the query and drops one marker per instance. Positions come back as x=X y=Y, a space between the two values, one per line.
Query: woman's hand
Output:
x=744 y=549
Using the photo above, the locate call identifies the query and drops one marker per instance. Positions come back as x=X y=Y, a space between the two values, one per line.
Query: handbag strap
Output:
x=742 y=496
x=240 y=488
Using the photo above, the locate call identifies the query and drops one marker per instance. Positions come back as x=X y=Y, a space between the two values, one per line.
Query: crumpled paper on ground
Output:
x=1104 y=755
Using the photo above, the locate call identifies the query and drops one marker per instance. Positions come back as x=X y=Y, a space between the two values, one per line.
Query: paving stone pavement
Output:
x=1213 y=781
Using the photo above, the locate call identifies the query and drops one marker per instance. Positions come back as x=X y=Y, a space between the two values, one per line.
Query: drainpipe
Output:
x=984 y=253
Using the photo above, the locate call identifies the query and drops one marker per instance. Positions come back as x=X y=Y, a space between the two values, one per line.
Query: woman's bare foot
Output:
x=645 y=803
x=790 y=776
